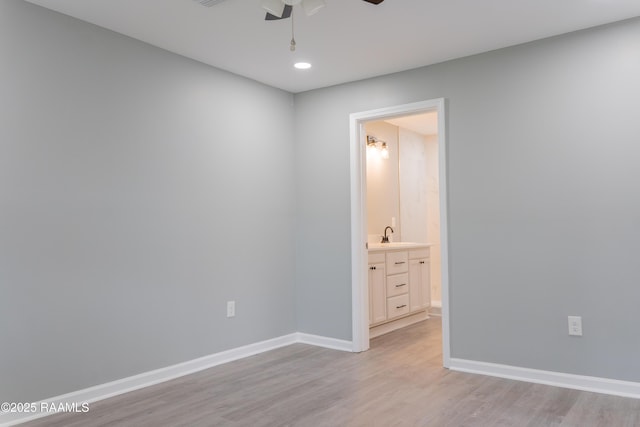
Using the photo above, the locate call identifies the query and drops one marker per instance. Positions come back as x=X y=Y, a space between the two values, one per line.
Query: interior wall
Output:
x=543 y=216
x=137 y=189
x=132 y=194
x=383 y=199
x=413 y=186
x=433 y=218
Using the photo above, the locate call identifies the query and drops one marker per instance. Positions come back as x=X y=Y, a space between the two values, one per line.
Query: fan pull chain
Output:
x=292 y=47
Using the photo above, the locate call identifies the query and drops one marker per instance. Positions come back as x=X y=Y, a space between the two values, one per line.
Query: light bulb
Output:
x=384 y=152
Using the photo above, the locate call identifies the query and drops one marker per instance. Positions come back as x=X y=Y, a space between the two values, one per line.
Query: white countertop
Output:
x=376 y=247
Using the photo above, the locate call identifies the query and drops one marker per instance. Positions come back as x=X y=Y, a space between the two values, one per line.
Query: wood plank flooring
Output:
x=399 y=382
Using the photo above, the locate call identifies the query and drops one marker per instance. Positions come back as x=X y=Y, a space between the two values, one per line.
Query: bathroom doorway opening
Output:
x=363 y=143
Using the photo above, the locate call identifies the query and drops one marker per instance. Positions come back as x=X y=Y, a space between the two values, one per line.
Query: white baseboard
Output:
x=557 y=379
x=146 y=379
x=436 y=308
x=326 y=342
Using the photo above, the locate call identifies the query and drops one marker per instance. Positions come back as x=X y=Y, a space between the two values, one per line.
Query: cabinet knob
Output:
x=421 y=262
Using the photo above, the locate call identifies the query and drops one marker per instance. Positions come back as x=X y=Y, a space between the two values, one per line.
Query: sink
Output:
x=392 y=245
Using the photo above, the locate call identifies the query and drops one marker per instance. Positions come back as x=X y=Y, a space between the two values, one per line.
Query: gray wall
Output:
x=134 y=186
x=544 y=213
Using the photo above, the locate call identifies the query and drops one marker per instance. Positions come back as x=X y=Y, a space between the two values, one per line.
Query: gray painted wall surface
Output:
x=134 y=185
x=544 y=210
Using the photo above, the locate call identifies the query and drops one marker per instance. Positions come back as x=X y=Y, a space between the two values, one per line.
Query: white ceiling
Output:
x=345 y=41
x=425 y=124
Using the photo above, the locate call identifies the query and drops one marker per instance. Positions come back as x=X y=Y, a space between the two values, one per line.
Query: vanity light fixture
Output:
x=371 y=146
x=378 y=145
x=384 y=151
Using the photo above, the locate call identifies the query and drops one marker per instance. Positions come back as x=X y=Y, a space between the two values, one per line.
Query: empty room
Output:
x=319 y=213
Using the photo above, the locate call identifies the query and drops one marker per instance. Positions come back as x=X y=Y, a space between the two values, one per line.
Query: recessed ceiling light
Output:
x=302 y=65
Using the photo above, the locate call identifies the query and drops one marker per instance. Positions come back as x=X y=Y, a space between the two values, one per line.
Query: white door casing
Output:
x=359 y=273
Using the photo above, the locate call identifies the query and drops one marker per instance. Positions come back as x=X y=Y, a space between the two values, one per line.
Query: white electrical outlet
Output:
x=575 y=326
x=231 y=308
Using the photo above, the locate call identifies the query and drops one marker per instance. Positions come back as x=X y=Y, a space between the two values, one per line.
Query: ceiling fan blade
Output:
x=374 y=1
x=286 y=14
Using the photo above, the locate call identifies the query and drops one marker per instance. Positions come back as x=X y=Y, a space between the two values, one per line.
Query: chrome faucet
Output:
x=385 y=238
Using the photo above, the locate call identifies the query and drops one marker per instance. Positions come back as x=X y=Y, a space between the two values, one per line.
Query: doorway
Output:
x=359 y=233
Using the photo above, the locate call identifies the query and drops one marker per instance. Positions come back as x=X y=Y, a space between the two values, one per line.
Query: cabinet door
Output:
x=419 y=284
x=377 y=293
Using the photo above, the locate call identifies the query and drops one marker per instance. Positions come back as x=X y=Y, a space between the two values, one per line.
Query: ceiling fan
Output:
x=281 y=9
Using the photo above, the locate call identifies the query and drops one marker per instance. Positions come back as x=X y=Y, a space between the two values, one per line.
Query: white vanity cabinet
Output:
x=399 y=285
x=419 y=280
x=377 y=291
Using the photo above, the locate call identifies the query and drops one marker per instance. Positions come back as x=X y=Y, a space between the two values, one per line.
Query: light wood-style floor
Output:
x=399 y=382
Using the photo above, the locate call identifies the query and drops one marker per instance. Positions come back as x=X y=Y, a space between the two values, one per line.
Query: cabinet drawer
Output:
x=397 y=262
x=376 y=258
x=398 y=284
x=397 y=306
x=419 y=253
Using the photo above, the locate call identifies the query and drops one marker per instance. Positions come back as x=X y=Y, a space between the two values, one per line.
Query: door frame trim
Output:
x=359 y=278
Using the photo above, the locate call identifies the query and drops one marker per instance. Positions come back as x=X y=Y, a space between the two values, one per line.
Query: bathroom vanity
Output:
x=399 y=285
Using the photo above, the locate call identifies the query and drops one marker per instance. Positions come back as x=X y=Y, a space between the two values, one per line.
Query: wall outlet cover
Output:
x=575 y=326
x=231 y=308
